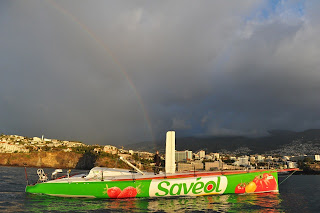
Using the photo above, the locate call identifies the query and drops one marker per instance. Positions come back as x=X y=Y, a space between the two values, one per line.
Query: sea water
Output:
x=299 y=193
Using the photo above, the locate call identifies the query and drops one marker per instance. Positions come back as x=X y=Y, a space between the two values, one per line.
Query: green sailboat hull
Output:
x=160 y=186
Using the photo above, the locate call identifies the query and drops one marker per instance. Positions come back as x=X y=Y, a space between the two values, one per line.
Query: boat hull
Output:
x=182 y=185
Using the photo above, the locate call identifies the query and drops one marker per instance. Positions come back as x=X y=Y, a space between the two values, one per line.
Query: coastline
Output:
x=72 y=160
x=59 y=159
x=40 y=159
x=301 y=172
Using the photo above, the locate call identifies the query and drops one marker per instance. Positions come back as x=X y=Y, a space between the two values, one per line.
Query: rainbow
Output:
x=123 y=71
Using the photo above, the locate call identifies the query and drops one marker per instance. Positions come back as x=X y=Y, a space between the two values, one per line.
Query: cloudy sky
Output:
x=114 y=72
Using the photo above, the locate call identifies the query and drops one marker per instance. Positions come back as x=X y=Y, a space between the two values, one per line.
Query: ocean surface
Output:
x=299 y=193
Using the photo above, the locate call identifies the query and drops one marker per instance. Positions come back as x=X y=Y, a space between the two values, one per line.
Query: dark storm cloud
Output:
x=200 y=67
x=272 y=79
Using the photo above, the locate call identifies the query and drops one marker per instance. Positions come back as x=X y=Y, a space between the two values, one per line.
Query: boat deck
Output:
x=151 y=175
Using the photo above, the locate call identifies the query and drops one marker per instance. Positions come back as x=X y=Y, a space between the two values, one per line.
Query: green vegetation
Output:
x=105 y=154
x=306 y=165
x=82 y=149
x=46 y=148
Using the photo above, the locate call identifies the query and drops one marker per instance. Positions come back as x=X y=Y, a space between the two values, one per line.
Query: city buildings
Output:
x=183 y=156
x=185 y=160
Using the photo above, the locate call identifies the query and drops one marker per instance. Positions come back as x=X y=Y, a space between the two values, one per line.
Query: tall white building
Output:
x=202 y=154
x=183 y=155
x=216 y=156
x=242 y=161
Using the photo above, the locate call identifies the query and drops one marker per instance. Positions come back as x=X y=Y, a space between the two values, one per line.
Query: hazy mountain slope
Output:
x=277 y=140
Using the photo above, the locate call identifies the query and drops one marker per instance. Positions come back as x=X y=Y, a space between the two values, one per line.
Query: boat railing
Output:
x=42 y=176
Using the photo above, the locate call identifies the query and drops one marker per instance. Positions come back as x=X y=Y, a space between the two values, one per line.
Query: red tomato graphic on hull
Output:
x=240 y=188
x=265 y=182
x=128 y=192
x=113 y=192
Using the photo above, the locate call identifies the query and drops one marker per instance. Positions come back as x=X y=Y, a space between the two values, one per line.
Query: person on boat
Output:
x=157 y=162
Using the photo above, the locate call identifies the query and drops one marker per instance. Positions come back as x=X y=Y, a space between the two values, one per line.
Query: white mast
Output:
x=170 y=152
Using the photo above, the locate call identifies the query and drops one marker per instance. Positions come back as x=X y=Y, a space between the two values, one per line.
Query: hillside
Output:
x=278 y=141
x=63 y=160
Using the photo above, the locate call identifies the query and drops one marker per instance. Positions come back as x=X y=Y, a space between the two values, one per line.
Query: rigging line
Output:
x=287 y=177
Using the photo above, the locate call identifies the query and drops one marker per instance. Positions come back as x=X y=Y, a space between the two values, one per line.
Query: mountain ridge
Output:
x=275 y=141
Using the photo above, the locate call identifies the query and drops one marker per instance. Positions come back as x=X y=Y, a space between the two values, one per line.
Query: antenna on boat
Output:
x=25 y=170
x=130 y=164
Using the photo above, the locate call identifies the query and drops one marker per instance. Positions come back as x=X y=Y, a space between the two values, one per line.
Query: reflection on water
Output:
x=224 y=203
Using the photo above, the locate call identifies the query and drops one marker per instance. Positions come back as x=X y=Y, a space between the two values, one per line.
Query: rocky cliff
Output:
x=63 y=160
x=40 y=159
